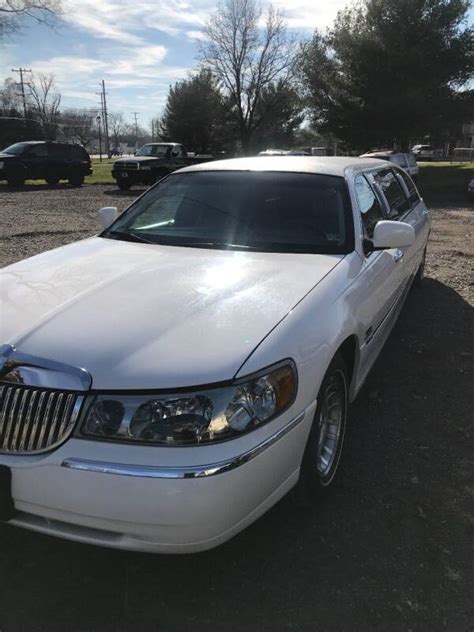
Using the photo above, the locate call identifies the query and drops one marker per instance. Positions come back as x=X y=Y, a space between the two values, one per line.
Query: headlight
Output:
x=191 y=418
x=144 y=167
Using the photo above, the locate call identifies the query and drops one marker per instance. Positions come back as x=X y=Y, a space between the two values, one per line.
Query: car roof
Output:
x=47 y=142
x=378 y=154
x=30 y=142
x=323 y=165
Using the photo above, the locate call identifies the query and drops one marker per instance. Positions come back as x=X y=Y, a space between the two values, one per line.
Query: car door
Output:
x=56 y=161
x=416 y=215
x=36 y=158
x=382 y=271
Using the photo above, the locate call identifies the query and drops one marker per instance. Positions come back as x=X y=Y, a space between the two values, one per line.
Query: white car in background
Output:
x=165 y=383
x=406 y=161
x=423 y=152
x=470 y=190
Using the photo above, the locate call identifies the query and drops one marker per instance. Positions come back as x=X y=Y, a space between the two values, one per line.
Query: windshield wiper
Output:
x=124 y=236
x=213 y=244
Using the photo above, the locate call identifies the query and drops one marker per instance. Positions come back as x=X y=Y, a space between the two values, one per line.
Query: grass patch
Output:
x=102 y=172
x=445 y=177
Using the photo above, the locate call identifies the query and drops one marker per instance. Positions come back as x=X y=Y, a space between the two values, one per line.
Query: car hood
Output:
x=140 y=159
x=140 y=316
x=3 y=156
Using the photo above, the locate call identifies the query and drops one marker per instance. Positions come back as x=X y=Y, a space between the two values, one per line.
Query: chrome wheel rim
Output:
x=331 y=424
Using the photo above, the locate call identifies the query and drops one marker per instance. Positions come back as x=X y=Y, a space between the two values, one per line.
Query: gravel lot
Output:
x=391 y=549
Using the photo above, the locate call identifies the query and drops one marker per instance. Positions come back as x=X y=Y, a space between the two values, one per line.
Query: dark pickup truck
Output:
x=152 y=162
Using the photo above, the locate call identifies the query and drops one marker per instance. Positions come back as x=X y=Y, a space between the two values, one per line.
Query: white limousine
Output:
x=164 y=383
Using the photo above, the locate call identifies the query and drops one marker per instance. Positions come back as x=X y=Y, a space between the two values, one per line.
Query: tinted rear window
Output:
x=397 y=201
x=413 y=193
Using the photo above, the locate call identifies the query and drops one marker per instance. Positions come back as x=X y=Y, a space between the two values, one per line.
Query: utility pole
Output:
x=100 y=139
x=152 y=130
x=136 y=130
x=105 y=121
x=22 y=84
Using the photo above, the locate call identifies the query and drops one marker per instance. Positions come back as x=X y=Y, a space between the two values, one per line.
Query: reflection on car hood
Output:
x=140 y=159
x=148 y=316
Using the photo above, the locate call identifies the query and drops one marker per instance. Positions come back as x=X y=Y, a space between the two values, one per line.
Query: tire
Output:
x=16 y=181
x=325 y=443
x=124 y=185
x=420 y=274
x=52 y=181
x=76 y=180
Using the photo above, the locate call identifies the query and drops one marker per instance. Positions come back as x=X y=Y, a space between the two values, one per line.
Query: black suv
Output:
x=44 y=160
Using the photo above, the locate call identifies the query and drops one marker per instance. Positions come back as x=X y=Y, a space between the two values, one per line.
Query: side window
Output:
x=413 y=193
x=369 y=206
x=393 y=192
x=76 y=152
x=37 y=151
x=57 y=151
x=177 y=152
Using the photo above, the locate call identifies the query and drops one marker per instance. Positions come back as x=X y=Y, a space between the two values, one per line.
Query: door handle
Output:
x=397 y=255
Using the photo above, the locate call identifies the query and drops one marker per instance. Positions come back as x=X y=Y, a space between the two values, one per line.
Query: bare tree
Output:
x=14 y=12
x=79 y=125
x=45 y=101
x=10 y=98
x=246 y=57
x=117 y=126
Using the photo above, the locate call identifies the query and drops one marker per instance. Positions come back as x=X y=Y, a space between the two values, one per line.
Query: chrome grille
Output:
x=34 y=420
x=127 y=165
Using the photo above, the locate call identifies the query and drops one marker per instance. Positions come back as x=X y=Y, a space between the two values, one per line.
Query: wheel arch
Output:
x=349 y=350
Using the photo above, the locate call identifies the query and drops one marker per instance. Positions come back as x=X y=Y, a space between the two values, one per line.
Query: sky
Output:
x=139 y=47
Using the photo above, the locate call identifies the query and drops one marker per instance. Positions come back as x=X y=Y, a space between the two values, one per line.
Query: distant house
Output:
x=467 y=136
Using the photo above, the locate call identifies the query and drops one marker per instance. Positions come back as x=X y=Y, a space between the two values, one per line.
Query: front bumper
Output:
x=137 y=498
x=135 y=176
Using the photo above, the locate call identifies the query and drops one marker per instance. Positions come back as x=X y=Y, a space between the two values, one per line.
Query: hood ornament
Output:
x=21 y=368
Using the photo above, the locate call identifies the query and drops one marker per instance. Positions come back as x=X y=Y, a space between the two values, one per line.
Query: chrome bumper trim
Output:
x=191 y=471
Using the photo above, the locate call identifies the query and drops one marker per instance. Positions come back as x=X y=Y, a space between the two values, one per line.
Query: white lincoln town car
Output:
x=164 y=383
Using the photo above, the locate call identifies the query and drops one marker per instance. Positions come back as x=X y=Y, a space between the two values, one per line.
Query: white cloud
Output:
x=136 y=60
x=124 y=20
x=310 y=14
x=196 y=35
x=125 y=48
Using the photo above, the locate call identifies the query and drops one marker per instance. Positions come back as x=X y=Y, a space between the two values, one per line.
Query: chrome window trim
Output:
x=181 y=472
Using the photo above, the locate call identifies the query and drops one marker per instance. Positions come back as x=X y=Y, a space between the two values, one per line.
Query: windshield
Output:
x=153 y=150
x=266 y=211
x=16 y=149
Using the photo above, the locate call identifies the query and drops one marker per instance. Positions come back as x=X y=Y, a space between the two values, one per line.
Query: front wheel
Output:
x=52 y=181
x=326 y=439
x=16 y=181
x=124 y=185
x=76 y=180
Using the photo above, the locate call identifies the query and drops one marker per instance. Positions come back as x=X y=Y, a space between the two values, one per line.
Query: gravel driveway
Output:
x=390 y=549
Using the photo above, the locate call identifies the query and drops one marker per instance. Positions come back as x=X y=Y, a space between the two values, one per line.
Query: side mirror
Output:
x=389 y=234
x=107 y=215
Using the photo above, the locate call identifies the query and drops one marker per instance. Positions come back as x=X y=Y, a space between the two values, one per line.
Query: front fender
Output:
x=313 y=331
